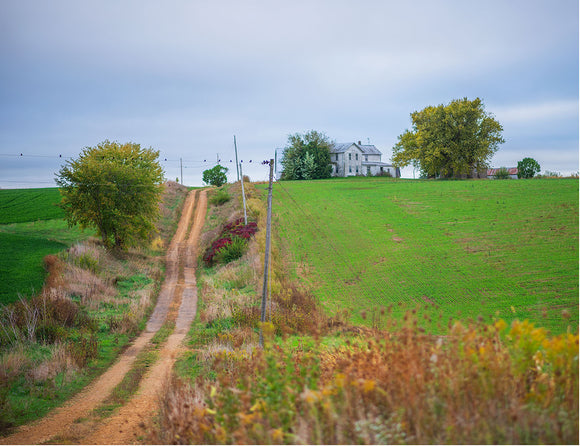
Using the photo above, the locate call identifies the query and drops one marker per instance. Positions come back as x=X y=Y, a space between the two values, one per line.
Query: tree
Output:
x=449 y=140
x=527 y=168
x=216 y=176
x=307 y=157
x=114 y=188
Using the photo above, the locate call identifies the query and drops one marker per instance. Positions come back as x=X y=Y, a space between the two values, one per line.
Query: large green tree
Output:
x=216 y=176
x=527 y=168
x=307 y=157
x=457 y=139
x=114 y=188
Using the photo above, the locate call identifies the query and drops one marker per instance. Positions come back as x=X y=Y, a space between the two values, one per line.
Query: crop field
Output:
x=445 y=249
x=31 y=227
x=24 y=205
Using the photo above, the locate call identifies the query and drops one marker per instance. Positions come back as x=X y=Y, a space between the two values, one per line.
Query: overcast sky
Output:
x=183 y=77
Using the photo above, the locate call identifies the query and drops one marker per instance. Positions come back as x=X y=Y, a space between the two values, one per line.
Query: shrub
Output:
x=50 y=332
x=83 y=349
x=501 y=174
x=233 y=250
x=236 y=229
x=220 y=197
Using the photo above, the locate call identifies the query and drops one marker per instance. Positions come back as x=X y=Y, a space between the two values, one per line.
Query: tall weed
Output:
x=402 y=387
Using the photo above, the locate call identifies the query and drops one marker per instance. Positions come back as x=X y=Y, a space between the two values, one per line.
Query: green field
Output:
x=450 y=249
x=31 y=227
x=24 y=205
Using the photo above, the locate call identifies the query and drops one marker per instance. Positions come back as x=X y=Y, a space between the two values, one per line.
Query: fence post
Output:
x=243 y=196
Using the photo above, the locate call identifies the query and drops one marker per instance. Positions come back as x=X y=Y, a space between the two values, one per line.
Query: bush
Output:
x=233 y=250
x=235 y=229
x=502 y=174
x=220 y=197
x=83 y=349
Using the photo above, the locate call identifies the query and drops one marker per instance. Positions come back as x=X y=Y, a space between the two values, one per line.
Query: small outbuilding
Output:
x=513 y=172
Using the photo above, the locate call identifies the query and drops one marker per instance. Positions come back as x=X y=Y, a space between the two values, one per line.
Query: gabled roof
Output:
x=342 y=147
x=367 y=149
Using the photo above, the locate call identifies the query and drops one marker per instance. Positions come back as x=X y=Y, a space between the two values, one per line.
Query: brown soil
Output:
x=126 y=425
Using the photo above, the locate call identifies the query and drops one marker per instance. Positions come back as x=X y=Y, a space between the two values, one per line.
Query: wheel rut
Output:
x=126 y=425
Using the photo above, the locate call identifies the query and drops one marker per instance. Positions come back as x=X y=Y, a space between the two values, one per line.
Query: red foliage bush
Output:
x=233 y=229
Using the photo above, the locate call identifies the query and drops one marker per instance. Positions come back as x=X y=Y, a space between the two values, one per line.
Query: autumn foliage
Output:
x=480 y=384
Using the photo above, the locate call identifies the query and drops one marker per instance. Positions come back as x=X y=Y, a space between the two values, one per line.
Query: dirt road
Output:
x=126 y=425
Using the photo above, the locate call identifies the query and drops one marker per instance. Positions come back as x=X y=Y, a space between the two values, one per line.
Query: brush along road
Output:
x=126 y=424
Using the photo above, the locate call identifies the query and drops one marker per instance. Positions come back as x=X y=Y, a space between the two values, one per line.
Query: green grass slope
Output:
x=451 y=249
x=31 y=227
x=22 y=205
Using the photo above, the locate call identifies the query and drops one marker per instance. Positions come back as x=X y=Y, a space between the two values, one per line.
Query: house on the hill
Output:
x=513 y=171
x=350 y=159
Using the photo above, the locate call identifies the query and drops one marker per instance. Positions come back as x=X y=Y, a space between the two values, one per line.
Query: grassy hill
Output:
x=31 y=227
x=451 y=249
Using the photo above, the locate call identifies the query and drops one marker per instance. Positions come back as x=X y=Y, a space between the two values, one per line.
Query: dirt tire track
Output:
x=127 y=425
x=123 y=427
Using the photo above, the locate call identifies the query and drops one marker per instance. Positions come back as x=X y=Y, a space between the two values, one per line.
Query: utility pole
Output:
x=243 y=196
x=267 y=254
x=238 y=170
x=181 y=167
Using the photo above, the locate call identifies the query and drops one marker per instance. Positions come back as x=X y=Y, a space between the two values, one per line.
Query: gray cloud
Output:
x=185 y=76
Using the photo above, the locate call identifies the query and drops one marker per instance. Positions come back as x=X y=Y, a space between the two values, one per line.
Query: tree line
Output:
x=115 y=188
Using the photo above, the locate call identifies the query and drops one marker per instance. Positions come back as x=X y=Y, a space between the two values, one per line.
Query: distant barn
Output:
x=513 y=171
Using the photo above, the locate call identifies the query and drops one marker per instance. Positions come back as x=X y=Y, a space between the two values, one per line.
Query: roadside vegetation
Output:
x=345 y=376
x=93 y=303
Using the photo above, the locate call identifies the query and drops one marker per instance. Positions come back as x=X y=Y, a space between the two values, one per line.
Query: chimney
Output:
x=359 y=143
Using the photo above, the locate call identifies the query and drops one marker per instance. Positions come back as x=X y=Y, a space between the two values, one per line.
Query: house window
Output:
x=349 y=169
x=356 y=156
x=357 y=169
x=337 y=157
x=349 y=156
x=366 y=157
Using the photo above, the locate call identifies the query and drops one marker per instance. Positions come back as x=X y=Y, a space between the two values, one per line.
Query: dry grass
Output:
x=13 y=363
x=482 y=384
x=59 y=361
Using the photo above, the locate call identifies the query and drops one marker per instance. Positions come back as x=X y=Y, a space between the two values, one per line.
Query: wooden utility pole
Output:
x=181 y=167
x=243 y=196
x=267 y=254
x=237 y=164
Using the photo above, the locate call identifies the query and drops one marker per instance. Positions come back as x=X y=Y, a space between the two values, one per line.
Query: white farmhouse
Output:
x=349 y=159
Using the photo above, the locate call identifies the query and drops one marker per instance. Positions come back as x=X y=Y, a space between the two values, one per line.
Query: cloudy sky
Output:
x=184 y=77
